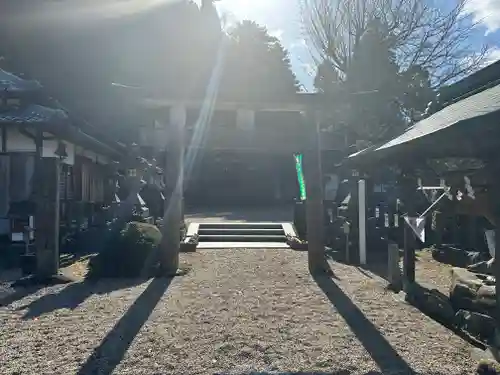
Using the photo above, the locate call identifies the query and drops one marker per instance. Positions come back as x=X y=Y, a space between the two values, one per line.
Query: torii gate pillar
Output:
x=314 y=194
x=174 y=181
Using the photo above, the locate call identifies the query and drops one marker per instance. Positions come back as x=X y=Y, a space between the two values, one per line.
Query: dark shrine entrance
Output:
x=240 y=178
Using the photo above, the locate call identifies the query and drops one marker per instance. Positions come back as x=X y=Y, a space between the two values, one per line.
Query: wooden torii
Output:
x=311 y=107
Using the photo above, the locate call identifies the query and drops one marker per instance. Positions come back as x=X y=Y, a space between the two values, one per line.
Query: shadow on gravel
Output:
x=383 y=354
x=18 y=294
x=342 y=372
x=71 y=296
x=377 y=263
x=113 y=347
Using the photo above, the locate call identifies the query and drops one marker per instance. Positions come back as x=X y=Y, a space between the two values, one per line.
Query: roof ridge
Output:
x=476 y=91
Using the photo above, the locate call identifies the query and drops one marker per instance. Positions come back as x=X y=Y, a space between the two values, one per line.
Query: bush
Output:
x=126 y=252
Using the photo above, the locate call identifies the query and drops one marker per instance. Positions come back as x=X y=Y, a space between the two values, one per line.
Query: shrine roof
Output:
x=32 y=114
x=11 y=82
x=472 y=115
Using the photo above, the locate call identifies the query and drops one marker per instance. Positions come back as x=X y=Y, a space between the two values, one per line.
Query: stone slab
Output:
x=242 y=245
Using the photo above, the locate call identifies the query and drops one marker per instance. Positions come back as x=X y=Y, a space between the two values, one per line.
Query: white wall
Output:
x=18 y=143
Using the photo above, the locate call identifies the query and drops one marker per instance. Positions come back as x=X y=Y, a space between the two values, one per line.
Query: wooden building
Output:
x=41 y=148
x=462 y=135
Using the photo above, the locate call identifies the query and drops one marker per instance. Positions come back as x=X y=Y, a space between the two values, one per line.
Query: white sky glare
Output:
x=260 y=11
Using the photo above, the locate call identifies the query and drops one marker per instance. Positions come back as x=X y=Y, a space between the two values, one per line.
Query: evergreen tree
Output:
x=380 y=98
x=257 y=66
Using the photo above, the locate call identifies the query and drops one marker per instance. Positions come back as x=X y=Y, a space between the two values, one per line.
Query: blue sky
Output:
x=282 y=18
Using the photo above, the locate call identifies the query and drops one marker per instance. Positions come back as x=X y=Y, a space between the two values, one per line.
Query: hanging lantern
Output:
x=60 y=151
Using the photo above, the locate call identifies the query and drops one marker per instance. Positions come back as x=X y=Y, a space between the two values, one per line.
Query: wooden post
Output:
x=438 y=217
x=46 y=193
x=408 y=257
x=408 y=187
x=455 y=234
x=471 y=232
x=3 y=137
x=353 y=215
x=56 y=219
x=394 y=272
x=362 y=220
x=494 y=172
x=39 y=214
x=314 y=195
x=174 y=176
x=496 y=273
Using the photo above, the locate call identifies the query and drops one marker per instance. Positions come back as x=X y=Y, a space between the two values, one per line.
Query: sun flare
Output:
x=244 y=9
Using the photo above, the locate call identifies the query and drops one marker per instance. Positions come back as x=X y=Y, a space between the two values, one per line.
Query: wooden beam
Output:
x=299 y=102
x=154 y=103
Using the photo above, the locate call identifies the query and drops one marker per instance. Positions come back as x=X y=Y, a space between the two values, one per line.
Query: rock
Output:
x=476 y=324
x=486 y=296
x=456 y=256
x=469 y=291
x=432 y=302
x=483 y=267
x=488 y=368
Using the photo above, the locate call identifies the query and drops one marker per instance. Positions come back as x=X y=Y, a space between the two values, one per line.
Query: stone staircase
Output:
x=241 y=235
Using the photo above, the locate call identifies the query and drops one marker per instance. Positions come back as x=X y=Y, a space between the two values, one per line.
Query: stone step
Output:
x=240 y=226
x=241 y=231
x=241 y=234
x=241 y=238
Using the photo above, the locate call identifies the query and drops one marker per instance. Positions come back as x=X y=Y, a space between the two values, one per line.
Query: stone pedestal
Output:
x=394 y=275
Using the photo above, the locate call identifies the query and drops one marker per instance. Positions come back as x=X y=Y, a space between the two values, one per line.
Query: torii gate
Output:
x=309 y=105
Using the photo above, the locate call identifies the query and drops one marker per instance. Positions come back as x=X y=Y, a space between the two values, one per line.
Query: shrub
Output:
x=126 y=252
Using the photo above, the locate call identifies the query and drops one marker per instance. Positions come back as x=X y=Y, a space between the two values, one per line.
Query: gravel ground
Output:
x=236 y=311
x=433 y=273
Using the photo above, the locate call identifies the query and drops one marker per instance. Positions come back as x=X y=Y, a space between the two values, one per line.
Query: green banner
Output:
x=300 y=176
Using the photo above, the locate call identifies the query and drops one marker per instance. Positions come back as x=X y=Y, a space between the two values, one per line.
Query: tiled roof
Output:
x=32 y=114
x=11 y=82
x=480 y=104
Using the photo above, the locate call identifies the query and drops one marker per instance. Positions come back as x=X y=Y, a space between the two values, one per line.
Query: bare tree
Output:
x=419 y=32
